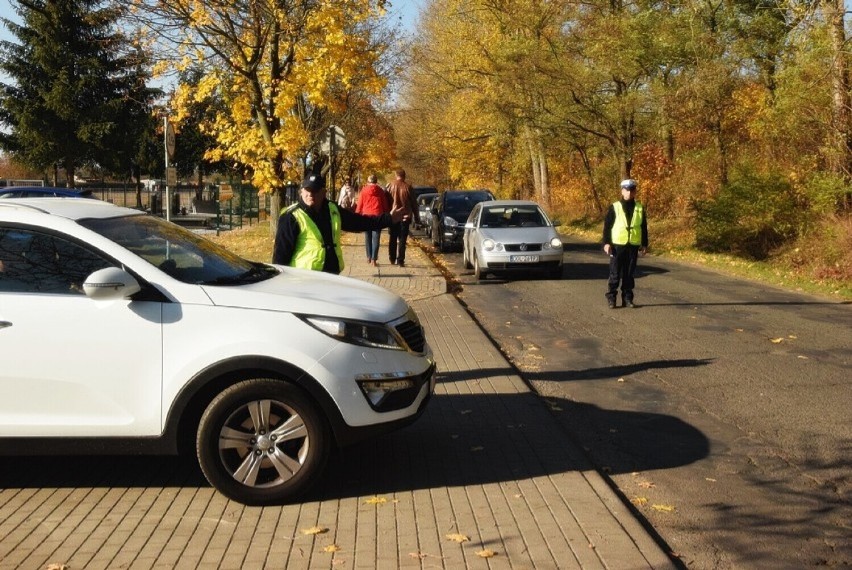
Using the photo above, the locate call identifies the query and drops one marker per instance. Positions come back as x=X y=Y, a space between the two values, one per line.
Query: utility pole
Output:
x=169 y=144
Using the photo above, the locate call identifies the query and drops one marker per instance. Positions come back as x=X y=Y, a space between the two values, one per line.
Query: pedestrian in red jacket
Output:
x=372 y=201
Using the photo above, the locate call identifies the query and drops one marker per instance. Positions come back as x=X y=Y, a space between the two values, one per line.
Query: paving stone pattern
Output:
x=486 y=465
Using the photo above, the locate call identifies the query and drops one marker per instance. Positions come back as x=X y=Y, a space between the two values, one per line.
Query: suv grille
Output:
x=412 y=333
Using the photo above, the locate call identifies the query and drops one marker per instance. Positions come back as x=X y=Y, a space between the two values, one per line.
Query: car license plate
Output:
x=523 y=259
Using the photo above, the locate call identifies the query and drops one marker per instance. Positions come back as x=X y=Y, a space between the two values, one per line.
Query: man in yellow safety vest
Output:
x=308 y=233
x=625 y=237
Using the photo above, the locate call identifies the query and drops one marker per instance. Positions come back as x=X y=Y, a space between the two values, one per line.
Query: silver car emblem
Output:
x=523 y=247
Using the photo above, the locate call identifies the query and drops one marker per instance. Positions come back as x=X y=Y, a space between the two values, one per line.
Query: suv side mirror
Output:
x=110 y=283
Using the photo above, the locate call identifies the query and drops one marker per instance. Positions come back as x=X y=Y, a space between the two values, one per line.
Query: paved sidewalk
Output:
x=485 y=479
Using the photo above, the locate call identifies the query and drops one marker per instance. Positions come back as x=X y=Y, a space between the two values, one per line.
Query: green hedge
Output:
x=752 y=215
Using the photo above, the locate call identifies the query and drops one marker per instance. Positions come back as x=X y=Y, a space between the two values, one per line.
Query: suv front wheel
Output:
x=262 y=442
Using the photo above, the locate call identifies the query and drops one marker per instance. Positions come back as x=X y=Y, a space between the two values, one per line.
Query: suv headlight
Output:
x=362 y=333
x=449 y=222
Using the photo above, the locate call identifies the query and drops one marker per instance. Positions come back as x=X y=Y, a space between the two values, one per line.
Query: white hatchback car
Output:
x=123 y=333
x=511 y=236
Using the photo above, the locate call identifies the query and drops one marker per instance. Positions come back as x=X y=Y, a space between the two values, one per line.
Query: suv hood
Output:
x=313 y=293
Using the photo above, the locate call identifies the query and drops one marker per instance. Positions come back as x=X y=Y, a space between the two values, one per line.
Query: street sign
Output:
x=336 y=134
x=171 y=176
x=170 y=140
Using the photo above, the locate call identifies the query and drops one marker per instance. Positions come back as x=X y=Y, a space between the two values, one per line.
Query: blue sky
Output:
x=404 y=11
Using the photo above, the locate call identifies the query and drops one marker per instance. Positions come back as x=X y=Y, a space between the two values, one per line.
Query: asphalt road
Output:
x=719 y=407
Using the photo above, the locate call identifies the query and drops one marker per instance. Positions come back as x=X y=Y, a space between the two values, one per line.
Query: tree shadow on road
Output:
x=615 y=372
x=478 y=439
x=462 y=439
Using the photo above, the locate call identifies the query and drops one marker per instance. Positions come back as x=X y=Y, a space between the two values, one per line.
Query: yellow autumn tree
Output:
x=279 y=69
x=479 y=86
x=448 y=97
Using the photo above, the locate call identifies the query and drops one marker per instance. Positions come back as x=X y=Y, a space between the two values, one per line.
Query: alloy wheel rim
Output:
x=263 y=443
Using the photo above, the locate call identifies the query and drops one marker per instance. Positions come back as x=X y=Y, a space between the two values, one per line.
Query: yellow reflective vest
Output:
x=309 y=252
x=624 y=233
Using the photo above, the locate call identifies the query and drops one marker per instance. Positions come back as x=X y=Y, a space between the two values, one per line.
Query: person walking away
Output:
x=346 y=198
x=625 y=237
x=402 y=197
x=372 y=201
x=308 y=234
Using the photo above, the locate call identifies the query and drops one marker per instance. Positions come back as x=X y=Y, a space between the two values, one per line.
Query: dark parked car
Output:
x=420 y=190
x=43 y=192
x=450 y=211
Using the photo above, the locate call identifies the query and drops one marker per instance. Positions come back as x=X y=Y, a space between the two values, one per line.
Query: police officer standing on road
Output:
x=308 y=233
x=625 y=236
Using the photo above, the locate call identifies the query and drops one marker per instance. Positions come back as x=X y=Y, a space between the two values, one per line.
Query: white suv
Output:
x=123 y=333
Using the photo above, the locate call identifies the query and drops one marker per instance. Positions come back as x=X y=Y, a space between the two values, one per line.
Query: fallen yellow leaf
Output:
x=331 y=548
x=663 y=508
x=458 y=538
x=639 y=501
x=778 y=340
x=486 y=553
x=315 y=530
x=794 y=337
x=646 y=484
x=803 y=357
x=376 y=501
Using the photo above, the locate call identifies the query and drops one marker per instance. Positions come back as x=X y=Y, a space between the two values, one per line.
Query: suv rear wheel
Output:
x=262 y=442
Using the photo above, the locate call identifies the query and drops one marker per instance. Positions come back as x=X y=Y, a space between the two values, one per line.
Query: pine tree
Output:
x=77 y=88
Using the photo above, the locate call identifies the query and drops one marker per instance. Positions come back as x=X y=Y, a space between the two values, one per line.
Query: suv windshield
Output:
x=178 y=252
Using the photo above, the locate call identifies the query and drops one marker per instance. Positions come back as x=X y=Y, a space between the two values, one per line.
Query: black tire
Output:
x=262 y=442
x=478 y=272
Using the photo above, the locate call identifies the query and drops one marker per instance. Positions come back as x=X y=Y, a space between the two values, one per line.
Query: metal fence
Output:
x=232 y=204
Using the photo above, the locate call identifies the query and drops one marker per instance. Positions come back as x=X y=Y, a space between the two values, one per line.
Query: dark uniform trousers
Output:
x=622 y=265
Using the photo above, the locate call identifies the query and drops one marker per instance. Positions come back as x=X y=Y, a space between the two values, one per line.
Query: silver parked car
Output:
x=424 y=202
x=511 y=235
